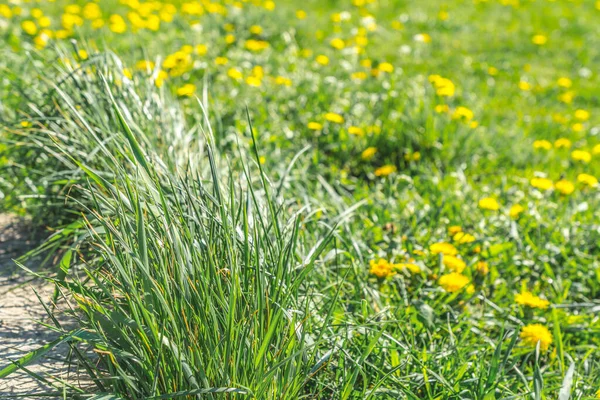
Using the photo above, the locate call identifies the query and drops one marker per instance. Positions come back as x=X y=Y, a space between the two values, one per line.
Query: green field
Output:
x=367 y=199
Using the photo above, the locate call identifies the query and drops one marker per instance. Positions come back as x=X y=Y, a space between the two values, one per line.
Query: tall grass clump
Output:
x=184 y=281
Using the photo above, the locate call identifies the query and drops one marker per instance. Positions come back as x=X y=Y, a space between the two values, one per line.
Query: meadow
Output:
x=358 y=199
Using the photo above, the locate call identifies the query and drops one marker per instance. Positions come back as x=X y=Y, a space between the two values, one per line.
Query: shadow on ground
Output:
x=20 y=314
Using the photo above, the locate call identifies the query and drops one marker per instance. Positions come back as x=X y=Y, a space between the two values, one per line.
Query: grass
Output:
x=222 y=240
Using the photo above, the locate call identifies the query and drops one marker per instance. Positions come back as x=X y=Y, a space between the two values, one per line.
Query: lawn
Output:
x=366 y=199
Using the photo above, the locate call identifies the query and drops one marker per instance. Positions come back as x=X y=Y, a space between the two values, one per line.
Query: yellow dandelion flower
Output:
x=322 y=59
x=524 y=86
x=530 y=300
x=337 y=43
x=482 y=267
x=386 y=67
x=453 y=282
x=444 y=248
x=186 y=90
x=413 y=268
x=454 y=263
x=588 y=180
x=454 y=229
x=368 y=153
x=539 y=40
x=462 y=113
x=581 y=155
x=516 y=210
x=567 y=97
x=221 y=60
x=534 y=333
x=489 y=203
x=564 y=82
x=256 y=29
x=355 y=130
x=564 y=187
x=441 y=108
x=253 y=81
x=582 y=115
x=385 y=170
x=235 y=73
x=300 y=14
x=541 y=183
x=29 y=27
x=542 y=144
x=381 y=268
x=335 y=118
x=462 y=238
x=562 y=143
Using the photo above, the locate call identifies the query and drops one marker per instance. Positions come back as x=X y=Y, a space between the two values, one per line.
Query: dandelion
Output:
x=482 y=268
x=300 y=14
x=489 y=203
x=564 y=187
x=462 y=238
x=322 y=59
x=385 y=170
x=588 y=180
x=443 y=87
x=567 y=97
x=444 y=248
x=221 y=60
x=256 y=29
x=29 y=27
x=355 y=130
x=462 y=113
x=381 y=268
x=283 y=81
x=515 y=211
x=315 y=126
x=533 y=333
x=235 y=73
x=524 y=86
x=337 y=43
x=368 y=153
x=562 y=143
x=454 y=263
x=116 y=24
x=539 y=40
x=577 y=127
x=335 y=118
x=454 y=229
x=186 y=90
x=441 y=108
x=542 y=144
x=582 y=115
x=541 y=183
x=256 y=45
x=253 y=81
x=530 y=300
x=596 y=149
x=564 y=82
x=453 y=282
x=413 y=268
x=385 y=67
x=581 y=155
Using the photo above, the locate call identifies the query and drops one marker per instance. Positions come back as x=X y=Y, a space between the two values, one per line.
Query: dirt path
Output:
x=19 y=312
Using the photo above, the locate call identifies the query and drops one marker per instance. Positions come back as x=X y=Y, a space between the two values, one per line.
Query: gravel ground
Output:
x=20 y=313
